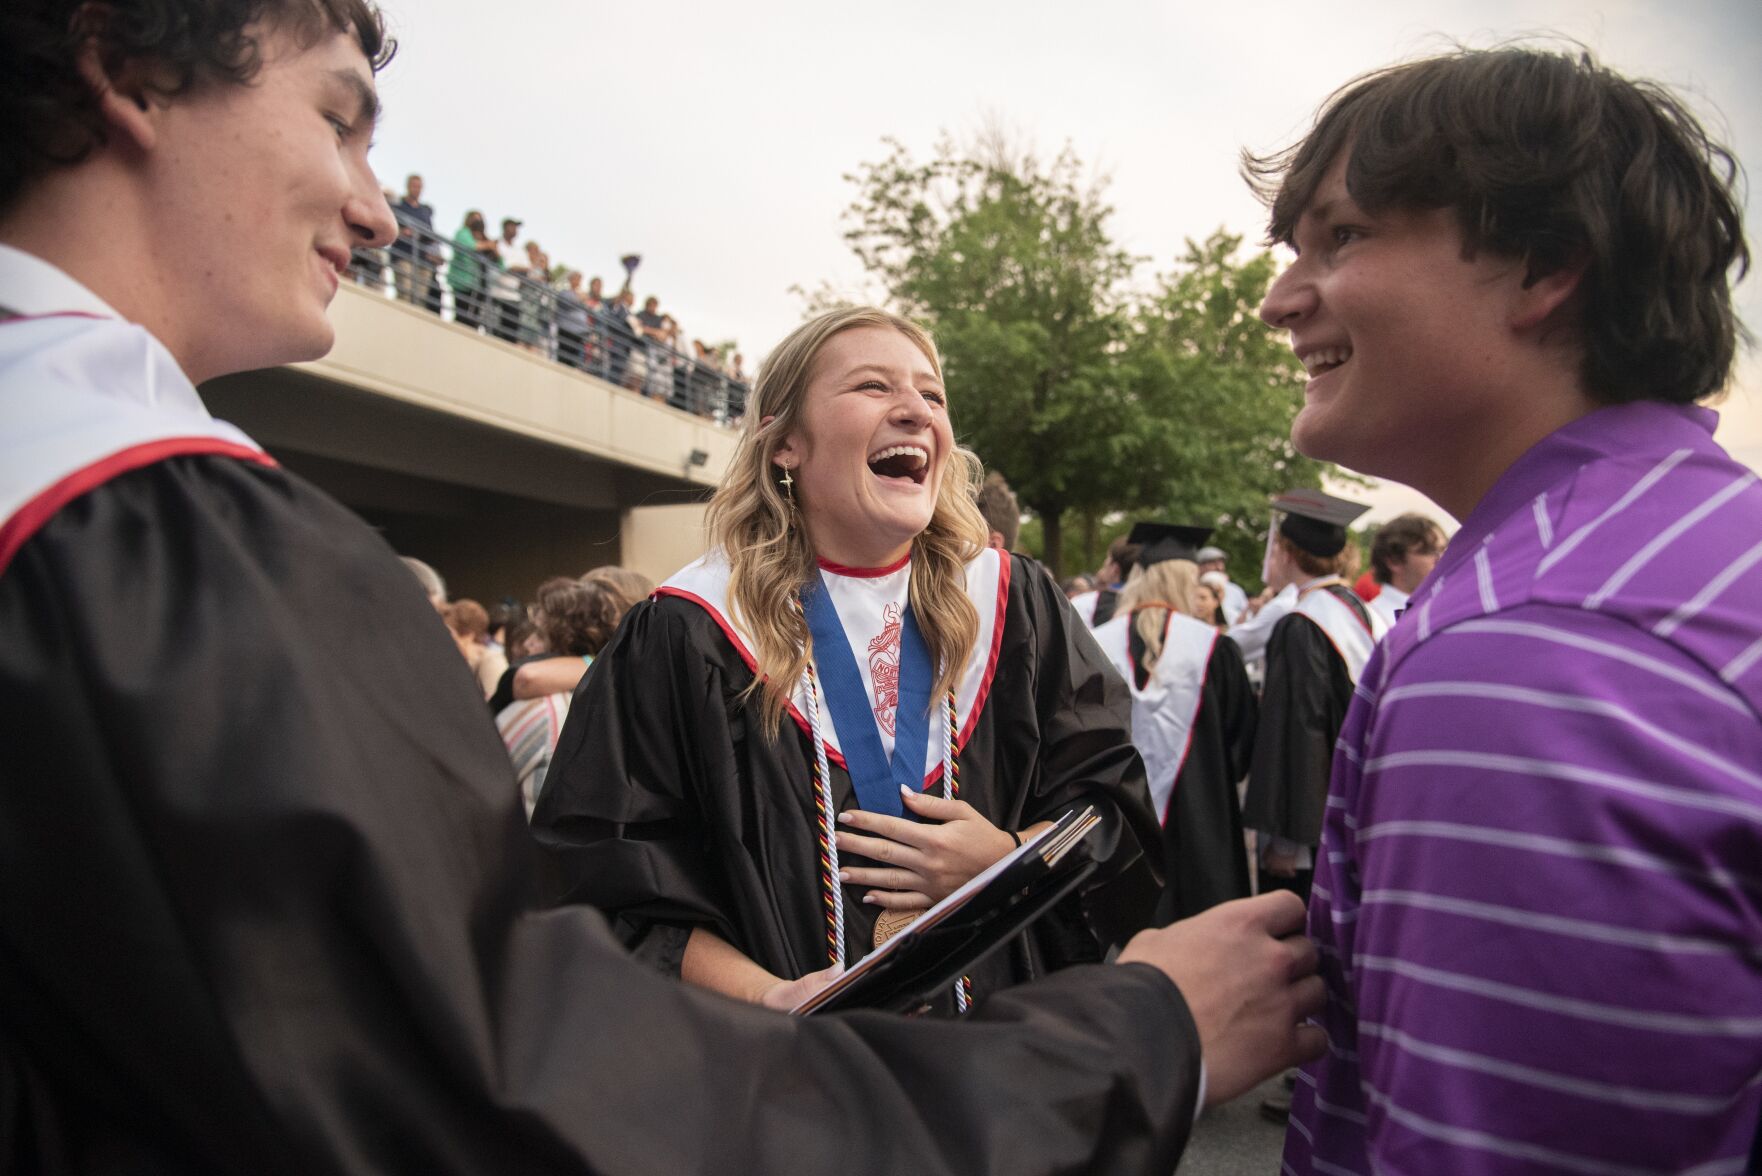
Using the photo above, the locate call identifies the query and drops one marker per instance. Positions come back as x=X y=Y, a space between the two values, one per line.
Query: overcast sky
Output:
x=713 y=138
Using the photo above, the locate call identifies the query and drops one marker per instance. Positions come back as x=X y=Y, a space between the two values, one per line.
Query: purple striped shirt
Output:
x=1539 y=894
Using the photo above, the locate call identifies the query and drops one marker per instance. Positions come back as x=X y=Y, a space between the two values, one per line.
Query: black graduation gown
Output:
x=267 y=908
x=1206 y=857
x=668 y=806
x=1302 y=707
x=1106 y=601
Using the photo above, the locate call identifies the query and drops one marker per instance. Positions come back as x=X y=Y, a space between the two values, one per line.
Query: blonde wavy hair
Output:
x=755 y=524
x=1151 y=593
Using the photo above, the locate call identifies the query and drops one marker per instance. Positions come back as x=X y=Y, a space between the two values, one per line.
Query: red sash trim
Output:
x=30 y=518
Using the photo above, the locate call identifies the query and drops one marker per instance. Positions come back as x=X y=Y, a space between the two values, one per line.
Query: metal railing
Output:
x=474 y=289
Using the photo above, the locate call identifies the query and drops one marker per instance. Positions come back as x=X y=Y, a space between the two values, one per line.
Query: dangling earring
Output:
x=789 y=487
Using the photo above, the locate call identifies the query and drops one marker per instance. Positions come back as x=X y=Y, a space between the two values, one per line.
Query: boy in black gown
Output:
x=268 y=901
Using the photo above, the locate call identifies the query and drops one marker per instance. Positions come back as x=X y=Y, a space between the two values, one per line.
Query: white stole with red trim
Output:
x=1354 y=634
x=1164 y=708
x=77 y=391
x=871 y=604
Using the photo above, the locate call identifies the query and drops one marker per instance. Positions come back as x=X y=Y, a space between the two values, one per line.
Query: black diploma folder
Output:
x=949 y=938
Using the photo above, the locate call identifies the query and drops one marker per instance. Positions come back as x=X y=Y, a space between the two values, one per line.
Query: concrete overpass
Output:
x=494 y=464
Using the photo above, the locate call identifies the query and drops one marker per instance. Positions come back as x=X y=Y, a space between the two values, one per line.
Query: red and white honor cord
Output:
x=826 y=814
x=831 y=892
x=951 y=789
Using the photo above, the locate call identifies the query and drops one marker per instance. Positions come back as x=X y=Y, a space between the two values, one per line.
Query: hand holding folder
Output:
x=949 y=938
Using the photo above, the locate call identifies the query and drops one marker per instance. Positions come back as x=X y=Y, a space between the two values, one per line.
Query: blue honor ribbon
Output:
x=877 y=779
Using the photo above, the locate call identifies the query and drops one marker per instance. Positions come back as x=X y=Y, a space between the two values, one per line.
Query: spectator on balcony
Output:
x=650 y=321
x=504 y=284
x=621 y=336
x=651 y=324
x=679 y=394
x=572 y=322
x=706 y=380
x=537 y=307
x=414 y=256
x=473 y=250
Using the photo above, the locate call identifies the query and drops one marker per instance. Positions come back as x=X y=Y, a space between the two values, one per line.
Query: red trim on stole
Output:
x=33 y=515
x=1168 y=618
x=1204 y=673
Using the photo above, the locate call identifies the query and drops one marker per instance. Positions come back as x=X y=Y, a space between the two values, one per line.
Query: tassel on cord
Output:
x=826 y=813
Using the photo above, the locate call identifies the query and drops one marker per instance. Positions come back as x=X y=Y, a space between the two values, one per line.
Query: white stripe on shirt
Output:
x=1483 y=574
x=1525 y=696
x=1737 y=666
x=1560 y=770
x=1707 y=595
x=1587 y=851
x=1544 y=525
x=1651 y=479
x=1665 y=538
x=1500 y=1145
x=1604 y=1092
x=1610 y=650
x=1654 y=941
x=1687 y=1024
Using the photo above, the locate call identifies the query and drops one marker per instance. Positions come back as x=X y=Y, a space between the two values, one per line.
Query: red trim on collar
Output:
x=746 y=655
x=34 y=318
x=30 y=518
x=827 y=565
x=934 y=776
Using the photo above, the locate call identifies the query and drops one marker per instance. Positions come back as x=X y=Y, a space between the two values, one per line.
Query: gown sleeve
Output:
x=653 y=715
x=269 y=908
x=1226 y=681
x=1294 y=743
x=1086 y=756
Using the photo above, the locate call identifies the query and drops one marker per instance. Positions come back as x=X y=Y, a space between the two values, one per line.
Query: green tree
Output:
x=1091 y=399
x=1009 y=261
x=1222 y=390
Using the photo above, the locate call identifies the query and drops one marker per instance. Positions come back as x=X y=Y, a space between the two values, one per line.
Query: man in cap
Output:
x=1539 y=900
x=1314 y=658
x=1212 y=559
x=1193 y=714
x=269 y=898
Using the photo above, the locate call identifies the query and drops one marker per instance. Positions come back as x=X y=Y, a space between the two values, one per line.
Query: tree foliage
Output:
x=1092 y=397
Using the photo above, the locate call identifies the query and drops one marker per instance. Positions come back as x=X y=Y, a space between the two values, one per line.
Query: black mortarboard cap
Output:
x=1316 y=522
x=1165 y=541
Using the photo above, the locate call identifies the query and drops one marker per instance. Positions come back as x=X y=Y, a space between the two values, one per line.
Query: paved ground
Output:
x=1233 y=1140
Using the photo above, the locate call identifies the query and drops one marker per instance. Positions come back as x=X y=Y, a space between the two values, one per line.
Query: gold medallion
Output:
x=891 y=923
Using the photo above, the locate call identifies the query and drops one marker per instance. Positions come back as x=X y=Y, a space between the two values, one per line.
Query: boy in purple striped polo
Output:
x=1539 y=896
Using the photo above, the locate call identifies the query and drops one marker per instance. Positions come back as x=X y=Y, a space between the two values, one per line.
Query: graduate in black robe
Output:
x=1193 y=719
x=1204 y=848
x=269 y=909
x=669 y=808
x=267 y=897
x=1313 y=659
